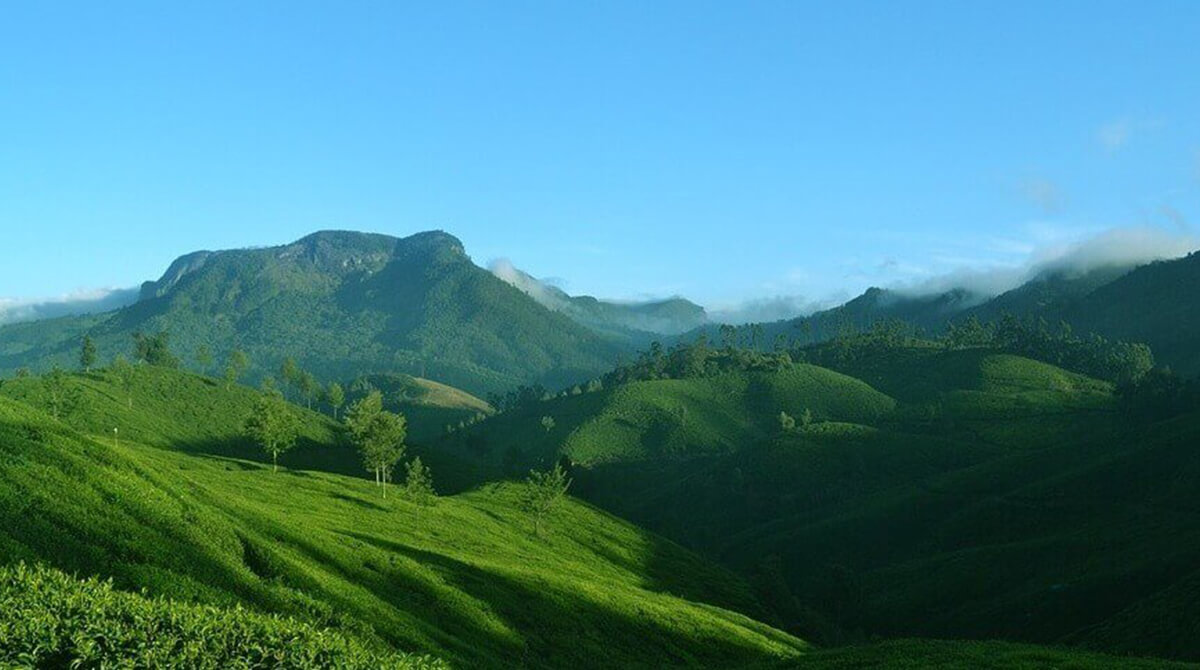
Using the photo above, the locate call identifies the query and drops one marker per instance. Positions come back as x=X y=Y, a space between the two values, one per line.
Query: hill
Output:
x=341 y=304
x=465 y=579
x=659 y=419
x=994 y=497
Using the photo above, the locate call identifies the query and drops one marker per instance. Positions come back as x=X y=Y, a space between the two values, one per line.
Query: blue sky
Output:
x=723 y=151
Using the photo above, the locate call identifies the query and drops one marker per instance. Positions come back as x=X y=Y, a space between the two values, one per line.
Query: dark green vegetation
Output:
x=340 y=304
x=1152 y=304
x=945 y=655
x=919 y=490
x=53 y=620
x=871 y=479
x=465 y=579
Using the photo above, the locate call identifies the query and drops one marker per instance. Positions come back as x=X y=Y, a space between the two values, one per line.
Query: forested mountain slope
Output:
x=341 y=304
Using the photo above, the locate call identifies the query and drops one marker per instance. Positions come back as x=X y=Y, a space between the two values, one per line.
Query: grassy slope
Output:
x=464 y=579
x=1081 y=530
x=1022 y=507
x=663 y=419
x=429 y=406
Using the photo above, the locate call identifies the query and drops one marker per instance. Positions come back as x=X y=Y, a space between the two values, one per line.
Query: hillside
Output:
x=661 y=419
x=975 y=504
x=341 y=304
x=465 y=579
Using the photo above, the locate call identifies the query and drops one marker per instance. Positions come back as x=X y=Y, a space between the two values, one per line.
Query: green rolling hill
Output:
x=465 y=580
x=963 y=493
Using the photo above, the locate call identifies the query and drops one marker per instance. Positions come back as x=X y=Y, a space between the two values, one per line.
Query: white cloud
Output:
x=84 y=301
x=1060 y=251
x=1045 y=194
x=1114 y=135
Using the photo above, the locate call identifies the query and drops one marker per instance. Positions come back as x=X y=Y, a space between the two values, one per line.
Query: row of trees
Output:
x=1092 y=355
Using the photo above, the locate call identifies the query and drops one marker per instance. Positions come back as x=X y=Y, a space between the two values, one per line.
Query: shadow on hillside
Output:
x=308 y=454
x=586 y=626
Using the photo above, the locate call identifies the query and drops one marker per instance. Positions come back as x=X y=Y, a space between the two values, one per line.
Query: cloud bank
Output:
x=91 y=301
x=1117 y=247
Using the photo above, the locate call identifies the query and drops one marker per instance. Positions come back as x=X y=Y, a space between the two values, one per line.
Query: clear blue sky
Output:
x=718 y=150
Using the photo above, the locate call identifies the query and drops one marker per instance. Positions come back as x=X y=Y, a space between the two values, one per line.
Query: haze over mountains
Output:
x=419 y=305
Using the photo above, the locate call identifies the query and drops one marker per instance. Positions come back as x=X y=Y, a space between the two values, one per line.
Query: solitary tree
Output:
x=418 y=483
x=336 y=397
x=543 y=493
x=272 y=426
x=289 y=372
x=806 y=417
x=61 y=396
x=379 y=436
x=235 y=367
x=123 y=372
x=309 y=388
x=786 y=423
x=87 y=353
x=548 y=423
x=203 y=357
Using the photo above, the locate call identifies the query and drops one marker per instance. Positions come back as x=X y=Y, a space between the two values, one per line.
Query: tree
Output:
x=87 y=353
x=543 y=493
x=154 y=349
x=806 y=418
x=336 y=397
x=548 y=423
x=379 y=436
x=61 y=396
x=272 y=426
x=289 y=372
x=203 y=357
x=418 y=483
x=235 y=367
x=309 y=388
x=786 y=423
x=123 y=372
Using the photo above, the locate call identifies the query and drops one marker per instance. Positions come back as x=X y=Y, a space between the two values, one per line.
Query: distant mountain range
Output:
x=1156 y=303
x=346 y=303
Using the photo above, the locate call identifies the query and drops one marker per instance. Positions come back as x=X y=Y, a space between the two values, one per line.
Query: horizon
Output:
x=768 y=158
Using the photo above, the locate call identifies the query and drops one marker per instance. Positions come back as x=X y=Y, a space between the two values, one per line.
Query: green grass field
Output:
x=878 y=518
x=465 y=579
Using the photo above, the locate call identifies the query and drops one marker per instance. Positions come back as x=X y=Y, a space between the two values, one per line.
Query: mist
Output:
x=94 y=301
x=1117 y=247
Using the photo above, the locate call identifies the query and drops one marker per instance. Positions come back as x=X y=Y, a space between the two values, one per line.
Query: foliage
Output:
x=379 y=436
x=335 y=397
x=235 y=367
x=345 y=304
x=418 y=483
x=52 y=620
x=87 y=353
x=154 y=349
x=272 y=426
x=462 y=579
x=543 y=493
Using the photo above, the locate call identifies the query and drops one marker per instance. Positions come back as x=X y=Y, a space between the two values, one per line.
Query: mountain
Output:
x=341 y=304
x=639 y=322
x=1154 y=304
